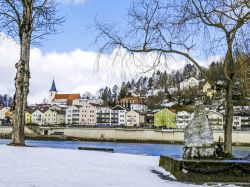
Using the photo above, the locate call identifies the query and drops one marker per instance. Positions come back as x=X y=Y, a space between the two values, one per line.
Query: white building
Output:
x=182 y=119
x=139 y=107
x=189 y=83
x=105 y=116
x=215 y=119
x=72 y=115
x=241 y=120
x=38 y=117
x=119 y=114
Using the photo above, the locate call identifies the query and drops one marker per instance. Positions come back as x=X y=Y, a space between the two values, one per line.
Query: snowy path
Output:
x=45 y=167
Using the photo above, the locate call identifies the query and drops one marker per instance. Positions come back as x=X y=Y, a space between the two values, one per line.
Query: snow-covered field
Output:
x=27 y=166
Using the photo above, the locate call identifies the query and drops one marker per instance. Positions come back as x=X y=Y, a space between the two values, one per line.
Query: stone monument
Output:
x=198 y=136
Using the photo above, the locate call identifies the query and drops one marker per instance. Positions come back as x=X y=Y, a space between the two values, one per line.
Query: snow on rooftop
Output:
x=27 y=166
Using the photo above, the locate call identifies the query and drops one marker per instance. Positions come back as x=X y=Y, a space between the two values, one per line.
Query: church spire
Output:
x=53 y=87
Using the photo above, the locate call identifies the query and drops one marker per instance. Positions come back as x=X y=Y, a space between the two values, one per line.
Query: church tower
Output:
x=52 y=92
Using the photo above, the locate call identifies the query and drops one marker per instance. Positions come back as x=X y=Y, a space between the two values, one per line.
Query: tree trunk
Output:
x=229 y=118
x=21 y=92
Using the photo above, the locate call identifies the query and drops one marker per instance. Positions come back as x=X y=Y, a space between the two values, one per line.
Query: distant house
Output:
x=241 y=120
x=119 y=114
x=182 y=119
x=207 y=88
x=189 y=83
x=133 y=103
x=105 y=116
x=72 y=115
x=165 y=118
x=38 y=116
x=56 y=98
x=28 y=115
x=215 y=119
x=139 y=107
x=134 y=118
x=87 y=114
x=54 y=117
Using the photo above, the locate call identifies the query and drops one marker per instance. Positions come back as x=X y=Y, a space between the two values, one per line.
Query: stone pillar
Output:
x=198 y=136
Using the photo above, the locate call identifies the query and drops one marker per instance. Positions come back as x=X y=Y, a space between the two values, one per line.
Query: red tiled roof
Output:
x=68 y=97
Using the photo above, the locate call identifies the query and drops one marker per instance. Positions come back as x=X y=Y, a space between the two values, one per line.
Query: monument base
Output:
x=206 y=170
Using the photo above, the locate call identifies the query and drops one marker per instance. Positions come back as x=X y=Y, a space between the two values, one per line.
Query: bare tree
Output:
x=185 y=28
x=26 y=21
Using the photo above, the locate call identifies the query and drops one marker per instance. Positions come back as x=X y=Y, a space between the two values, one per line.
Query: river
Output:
x=129 y=148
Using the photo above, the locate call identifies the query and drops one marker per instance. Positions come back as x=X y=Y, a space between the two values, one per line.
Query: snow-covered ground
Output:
x=31 y=166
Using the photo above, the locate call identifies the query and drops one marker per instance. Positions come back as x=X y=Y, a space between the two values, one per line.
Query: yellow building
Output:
x=165 y=118
x=28 y=116
x=207 y=88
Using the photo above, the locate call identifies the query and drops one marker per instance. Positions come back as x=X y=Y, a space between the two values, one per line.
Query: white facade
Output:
x=241 y=120
x=120 y=113
x=182 y=119
x=38 y=117
x=189 y=83
x=139 y=107
x=72 y=115
x=104 y=116
x=215 y=119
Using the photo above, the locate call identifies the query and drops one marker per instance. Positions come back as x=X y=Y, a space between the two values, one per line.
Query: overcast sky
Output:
x=70 y=57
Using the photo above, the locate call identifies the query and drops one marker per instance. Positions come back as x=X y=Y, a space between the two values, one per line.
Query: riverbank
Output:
x=136 y=135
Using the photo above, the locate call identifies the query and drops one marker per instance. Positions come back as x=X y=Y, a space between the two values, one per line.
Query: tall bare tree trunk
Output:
x=229 y=118
x=22 y=77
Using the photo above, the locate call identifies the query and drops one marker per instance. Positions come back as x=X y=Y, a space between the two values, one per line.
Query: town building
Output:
x=135 y=118
x=182 y=119
x=241 y=121
x=105 y=116
x=119 y=114
x=87 y=114
x=189 y=83
x=72 y=115
x=165 y=118
x=28 y=115
x=215 y=119
x=38 y=116
x=54 y=117
x=56 y=98
x=207 y=88
x=142 y=108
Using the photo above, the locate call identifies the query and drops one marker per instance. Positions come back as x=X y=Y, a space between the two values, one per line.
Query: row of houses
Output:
x=90 y=114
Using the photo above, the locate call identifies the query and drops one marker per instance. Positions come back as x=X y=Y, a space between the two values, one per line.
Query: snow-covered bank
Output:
x=23 y=166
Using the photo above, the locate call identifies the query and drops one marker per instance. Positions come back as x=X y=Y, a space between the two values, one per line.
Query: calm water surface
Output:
x=130 y=148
